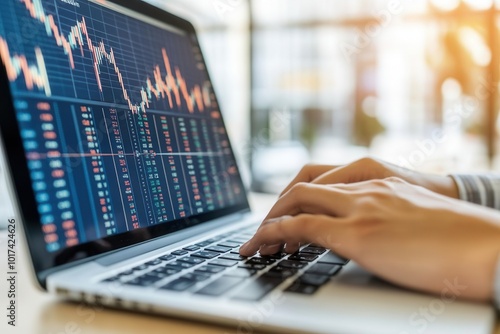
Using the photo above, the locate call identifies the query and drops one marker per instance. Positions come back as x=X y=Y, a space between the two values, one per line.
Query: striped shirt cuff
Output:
x=496 y=285
x=482 y=189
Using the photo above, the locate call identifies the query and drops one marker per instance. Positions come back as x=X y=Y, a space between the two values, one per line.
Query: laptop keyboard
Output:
x=214 y=267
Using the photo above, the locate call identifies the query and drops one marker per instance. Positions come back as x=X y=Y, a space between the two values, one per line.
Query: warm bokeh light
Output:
x=446 y=4
x=479 y=4
x=475 y=44
x=449 y=5
x=451 y=89
x=347 y=92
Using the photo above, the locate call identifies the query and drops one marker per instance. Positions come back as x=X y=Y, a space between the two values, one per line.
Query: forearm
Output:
x=488 y=216
x=479 y=189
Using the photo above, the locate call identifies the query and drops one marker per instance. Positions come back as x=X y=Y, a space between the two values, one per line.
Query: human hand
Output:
x=403 y=233
x=370 y=169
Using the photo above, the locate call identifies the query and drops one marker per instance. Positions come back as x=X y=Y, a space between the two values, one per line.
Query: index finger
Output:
x=311 y=198
x=308 y=174
x=303 y=228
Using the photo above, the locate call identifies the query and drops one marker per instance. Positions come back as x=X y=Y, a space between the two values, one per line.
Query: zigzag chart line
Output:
x=171 y=86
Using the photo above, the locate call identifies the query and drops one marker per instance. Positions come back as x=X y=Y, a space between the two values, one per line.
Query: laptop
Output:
x=122 y=173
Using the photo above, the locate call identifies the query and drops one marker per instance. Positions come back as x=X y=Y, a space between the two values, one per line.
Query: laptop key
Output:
x=258 y=289
x=179 y=252
x=324 y=269
x=332 y=259
x=293 y=264
x=127 y=272
x=223 y=263
x=206 y=254
x=241 y=272
x=303 y=257
x=191 y=248
x=203 y=244
x=252 y=266
x=179 y=284
x=214 y=239
x=220 y=286
x=156 y=274
x=229 y=244
x=192 y=260
x=210 y=269
x=196 y=277
x=261 y=260
x=167 y=271
x=167 y=257
x=238 y=241
x=276 y=256
x=313 y=250
x=179 y=264
x=282 y=272
x=218 y=249
x=145 y=280
x=313 y=279
x=234 y=257
x=301 y=288
x=153 y=262
x=140 y=268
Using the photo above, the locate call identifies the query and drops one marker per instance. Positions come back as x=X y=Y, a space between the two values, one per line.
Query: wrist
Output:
x=484 y=255
x=444 y=185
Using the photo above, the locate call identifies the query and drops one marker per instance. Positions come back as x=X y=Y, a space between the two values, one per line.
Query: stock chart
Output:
x=119 y=121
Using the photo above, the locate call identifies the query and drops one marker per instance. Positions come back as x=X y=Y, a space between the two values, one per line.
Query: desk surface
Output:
x=39 y=312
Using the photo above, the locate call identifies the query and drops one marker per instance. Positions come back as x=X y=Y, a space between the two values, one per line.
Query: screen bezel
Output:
x=16 y=162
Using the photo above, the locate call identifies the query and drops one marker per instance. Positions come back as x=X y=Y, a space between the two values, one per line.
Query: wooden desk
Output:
x=39 y=312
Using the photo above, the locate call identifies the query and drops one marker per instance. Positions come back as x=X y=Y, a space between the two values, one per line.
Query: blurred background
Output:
x=412 y=82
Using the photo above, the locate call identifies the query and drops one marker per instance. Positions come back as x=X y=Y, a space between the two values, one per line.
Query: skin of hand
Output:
x=371 y=169
x=405 y=234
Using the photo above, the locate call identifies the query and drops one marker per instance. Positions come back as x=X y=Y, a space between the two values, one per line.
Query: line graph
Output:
x=171 y=86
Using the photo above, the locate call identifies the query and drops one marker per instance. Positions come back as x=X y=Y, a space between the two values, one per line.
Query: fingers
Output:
x=311 y=198
x=344 y=174
x=291 y=248
x=337 y=200
x=269 y=250
x=360 y=170
x=307 y=174
x=316 y=213
x=303 y=228
x=368 y=185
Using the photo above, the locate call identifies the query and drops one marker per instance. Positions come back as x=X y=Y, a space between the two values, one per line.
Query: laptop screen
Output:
x=120 y=125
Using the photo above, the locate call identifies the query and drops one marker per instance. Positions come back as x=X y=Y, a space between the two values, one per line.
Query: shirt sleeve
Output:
x=496 y=285
x=482 y=189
